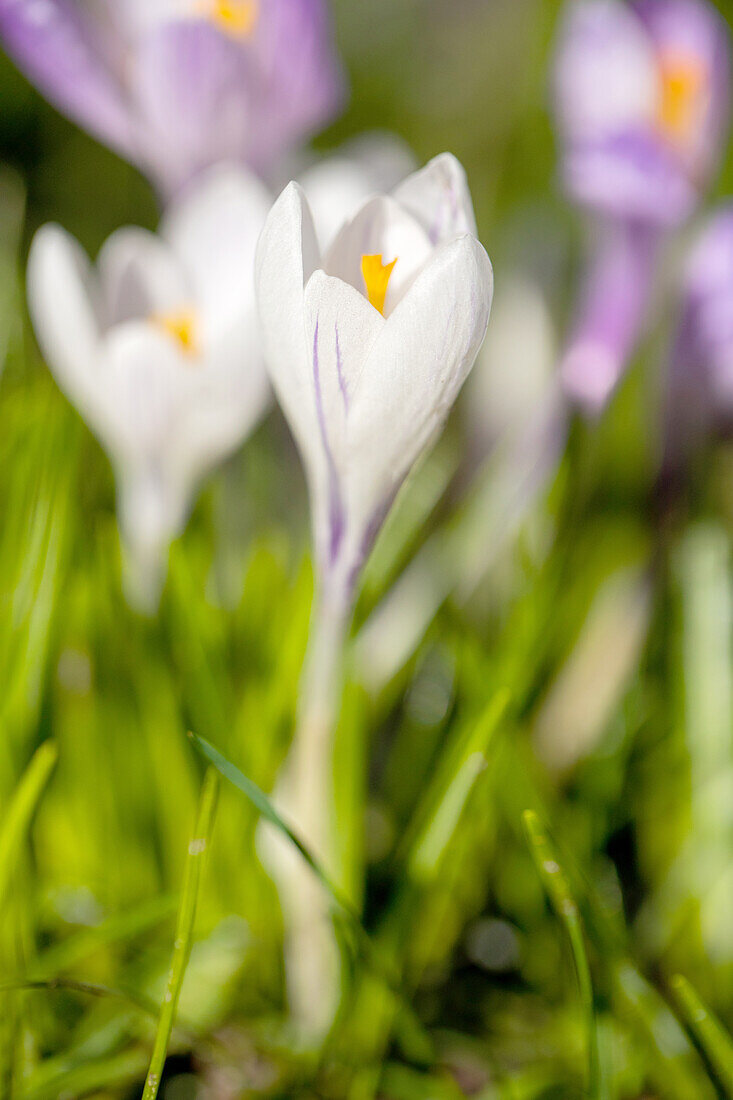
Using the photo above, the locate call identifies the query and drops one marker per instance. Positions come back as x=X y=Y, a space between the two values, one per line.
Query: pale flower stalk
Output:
x=367 y=345
x=157 y=347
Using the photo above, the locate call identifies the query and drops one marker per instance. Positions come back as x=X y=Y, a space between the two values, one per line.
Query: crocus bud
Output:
x=368 y=345
x=157 y=347
x=176 y=86
x=641 y=97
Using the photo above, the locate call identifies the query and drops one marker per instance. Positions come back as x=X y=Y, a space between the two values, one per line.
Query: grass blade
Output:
x=264 y=807
x=558 y=891
x=21 y=810
x=707 y=1030
x=363 y=945
x=184 y=932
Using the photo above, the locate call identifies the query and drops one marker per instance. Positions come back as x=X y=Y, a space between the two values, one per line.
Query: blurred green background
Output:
x=580 y=666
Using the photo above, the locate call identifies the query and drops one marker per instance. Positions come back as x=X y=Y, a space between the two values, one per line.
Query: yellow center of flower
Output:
x=236 y=18
x=376 y=279
x=180 y=325
x=682 y=81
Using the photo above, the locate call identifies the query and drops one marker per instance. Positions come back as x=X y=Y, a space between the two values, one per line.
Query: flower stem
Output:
x=311 y=952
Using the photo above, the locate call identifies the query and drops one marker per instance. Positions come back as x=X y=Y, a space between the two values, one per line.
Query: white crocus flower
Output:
x=367 y=344
x=157 y=347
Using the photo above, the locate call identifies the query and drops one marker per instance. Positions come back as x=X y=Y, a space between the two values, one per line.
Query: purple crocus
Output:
x=701 y=372
x=641 y=98
x=179 y=85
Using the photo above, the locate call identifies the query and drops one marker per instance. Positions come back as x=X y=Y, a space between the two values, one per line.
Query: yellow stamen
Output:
x=180 y=325
x=682 y=80
x=236 y=18
x=376 y=279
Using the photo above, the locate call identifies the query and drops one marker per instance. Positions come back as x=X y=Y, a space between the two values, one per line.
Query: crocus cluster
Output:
x=641 y=99
x=372 y=307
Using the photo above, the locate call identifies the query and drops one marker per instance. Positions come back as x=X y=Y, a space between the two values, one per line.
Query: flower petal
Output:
x=631 y=175
x=194 y=95
x=62 y=300
x=693 y=30
x=341 y=328
x=213 y=228
x=413 y=374
x=339 y=184
x=230 y=395
x=439 y=198
x=146 y=380
x=287 y=255
x=140 y=276
x=299 y=80
x=606 y=77
x=612 y=314
x=62 y=50
x=382 y=227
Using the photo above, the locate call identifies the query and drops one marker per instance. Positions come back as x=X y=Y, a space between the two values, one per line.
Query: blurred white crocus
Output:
x=157 y=347
x=367 y=344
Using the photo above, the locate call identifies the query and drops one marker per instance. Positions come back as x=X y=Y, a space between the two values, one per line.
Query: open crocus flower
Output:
x=157 y=347
x=369 y=344
x=176 y=86
x=642 y=105
x=641 y=95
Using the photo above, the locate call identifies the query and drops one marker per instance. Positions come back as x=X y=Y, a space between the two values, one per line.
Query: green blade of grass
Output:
x=349 y=918
x=264 y=807
x=707 y=1030
x=184 y=932
x=21 y=809
x=557 y=888
x=449 y=791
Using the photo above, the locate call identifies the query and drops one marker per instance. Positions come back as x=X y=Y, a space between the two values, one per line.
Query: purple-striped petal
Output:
x=300 y=82
x=193 y=94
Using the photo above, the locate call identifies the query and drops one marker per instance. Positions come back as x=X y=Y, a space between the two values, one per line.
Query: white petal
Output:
x=147 y=381
x=341 y=328
x=230 y=394
x=214 y=230
x=413 y=375
x=606 y=76
x=382 y=227
x=439 y=198
x=62 y=304
x=287 y=255
x=140 y=276
x=337 y=186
